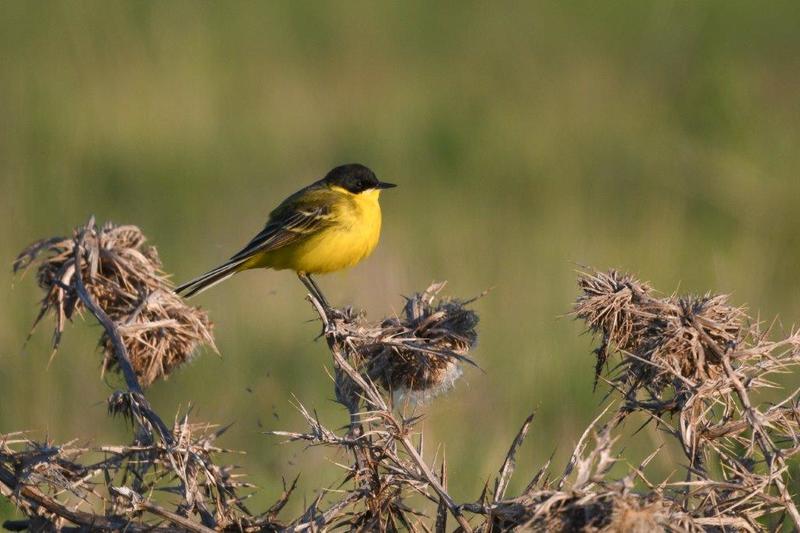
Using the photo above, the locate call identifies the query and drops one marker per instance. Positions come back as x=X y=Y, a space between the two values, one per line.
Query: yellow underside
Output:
x=352 y=238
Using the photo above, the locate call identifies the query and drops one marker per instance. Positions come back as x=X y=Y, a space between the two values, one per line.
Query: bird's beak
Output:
x=384 y=185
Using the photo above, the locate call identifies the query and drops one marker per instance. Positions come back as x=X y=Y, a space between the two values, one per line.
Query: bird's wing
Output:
x=303 y=213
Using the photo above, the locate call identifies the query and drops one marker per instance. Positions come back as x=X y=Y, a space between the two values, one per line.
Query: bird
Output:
x=327 y=226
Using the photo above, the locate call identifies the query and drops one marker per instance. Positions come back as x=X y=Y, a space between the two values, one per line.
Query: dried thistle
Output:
x=161 y=334
x=699 y=366
x=123 y=275
x=694 y=365
x=665 y=337
x=415 y=356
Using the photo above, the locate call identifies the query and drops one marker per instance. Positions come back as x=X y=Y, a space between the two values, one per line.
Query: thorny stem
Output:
x=772 y=456
x=92 y=521
x=374 y=397
x=123 y=360
x=119 y=347
x=44 y=507
x=174 y=518
x=112 y=331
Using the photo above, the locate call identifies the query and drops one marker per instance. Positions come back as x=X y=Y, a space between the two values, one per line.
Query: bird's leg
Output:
x=319 y=292
x=316 y=293
x=313 y=289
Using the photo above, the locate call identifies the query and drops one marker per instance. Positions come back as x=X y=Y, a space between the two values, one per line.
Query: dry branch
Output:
x=697 y=366
x=124 y=277
x=699 y=362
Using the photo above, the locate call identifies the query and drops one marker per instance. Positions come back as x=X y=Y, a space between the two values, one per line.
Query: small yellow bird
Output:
x=330 y=225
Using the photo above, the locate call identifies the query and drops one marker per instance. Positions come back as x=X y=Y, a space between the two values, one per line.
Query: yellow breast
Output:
x=350 y=239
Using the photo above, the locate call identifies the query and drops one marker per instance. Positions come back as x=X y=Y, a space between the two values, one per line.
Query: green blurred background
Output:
x=527 y=138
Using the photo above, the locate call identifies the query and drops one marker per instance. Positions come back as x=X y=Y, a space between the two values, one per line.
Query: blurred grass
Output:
x=657 y=137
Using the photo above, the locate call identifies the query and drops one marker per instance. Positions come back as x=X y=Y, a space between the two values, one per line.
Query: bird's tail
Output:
x=209 y=279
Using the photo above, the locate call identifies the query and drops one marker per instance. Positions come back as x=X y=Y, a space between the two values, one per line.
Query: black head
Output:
x=355 y=178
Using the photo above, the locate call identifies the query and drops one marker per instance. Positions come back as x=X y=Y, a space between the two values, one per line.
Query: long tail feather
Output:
x=209 y=279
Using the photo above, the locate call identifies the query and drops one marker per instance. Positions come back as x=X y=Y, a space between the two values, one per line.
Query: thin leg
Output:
x=313 y=289
x=319 y=292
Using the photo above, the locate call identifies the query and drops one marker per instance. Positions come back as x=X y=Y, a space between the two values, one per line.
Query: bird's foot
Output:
x=331 y=316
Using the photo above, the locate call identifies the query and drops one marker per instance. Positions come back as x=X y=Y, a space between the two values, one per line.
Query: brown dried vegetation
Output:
x=415 y=356
x=694 y=366
x=123 y=275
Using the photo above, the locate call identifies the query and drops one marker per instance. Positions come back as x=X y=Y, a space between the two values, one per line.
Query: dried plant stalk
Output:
x=697 y=366
x=124 y=276
x=415 y=356
x=61 y=484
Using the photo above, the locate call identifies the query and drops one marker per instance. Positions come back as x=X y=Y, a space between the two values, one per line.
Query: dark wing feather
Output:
x=303 y=213
x=307 y=211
